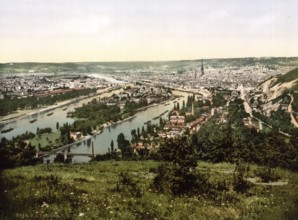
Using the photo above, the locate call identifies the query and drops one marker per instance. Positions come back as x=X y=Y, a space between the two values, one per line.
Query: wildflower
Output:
x=81 y=214
x=44 y=205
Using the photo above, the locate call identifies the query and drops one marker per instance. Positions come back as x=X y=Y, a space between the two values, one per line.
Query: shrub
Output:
x=127 y=185
x=267 y=174
x=59 y=158
x=239 y=182
x=177 y=180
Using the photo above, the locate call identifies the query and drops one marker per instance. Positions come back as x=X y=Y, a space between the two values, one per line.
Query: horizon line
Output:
x=139 y=61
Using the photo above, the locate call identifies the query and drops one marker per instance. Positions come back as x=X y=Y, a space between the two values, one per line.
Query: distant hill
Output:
x=110 y=67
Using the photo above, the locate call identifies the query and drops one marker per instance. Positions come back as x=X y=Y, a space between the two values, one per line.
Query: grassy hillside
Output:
x=290 y=76
x=96 y=191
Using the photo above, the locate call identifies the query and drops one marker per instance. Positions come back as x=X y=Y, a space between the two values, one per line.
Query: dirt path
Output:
x=257 y=181
x=290 y=110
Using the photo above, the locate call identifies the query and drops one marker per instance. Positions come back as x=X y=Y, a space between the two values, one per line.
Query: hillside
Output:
x=276 y=93
x=97 y=190
x=289 y=77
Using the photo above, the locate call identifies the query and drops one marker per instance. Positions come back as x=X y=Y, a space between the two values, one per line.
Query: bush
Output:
x=59 y=158
x=163 y=181
x=267 y=174
x=239 y=182
x=127 y=185
x=177 y=180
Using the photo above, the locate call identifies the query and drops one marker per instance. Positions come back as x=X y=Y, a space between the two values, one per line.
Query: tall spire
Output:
x=202 y=68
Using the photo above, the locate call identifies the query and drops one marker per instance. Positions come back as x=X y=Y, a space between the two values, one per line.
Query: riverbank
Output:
x=25 y=113
x=98 y=131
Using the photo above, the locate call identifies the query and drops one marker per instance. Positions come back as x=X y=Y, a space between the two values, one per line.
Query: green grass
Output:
x=46 y=140
x=88 y=190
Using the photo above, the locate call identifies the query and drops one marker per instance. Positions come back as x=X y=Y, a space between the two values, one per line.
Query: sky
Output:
x=146 y=30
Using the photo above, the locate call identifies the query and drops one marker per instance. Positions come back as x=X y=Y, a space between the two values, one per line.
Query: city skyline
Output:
x=82 y=31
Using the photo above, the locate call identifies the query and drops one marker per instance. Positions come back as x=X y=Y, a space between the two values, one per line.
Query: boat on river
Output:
x=33 y=120
x=163 y=113
x=6 y=130
x=155 y=118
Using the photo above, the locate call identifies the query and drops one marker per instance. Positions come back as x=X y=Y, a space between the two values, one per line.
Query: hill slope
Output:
x=276 y=91
x=90 y=191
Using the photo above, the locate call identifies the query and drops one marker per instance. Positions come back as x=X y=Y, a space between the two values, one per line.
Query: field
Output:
x=97 y=190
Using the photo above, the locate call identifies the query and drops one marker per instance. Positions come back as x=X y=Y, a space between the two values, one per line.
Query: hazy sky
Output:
x=126 y=30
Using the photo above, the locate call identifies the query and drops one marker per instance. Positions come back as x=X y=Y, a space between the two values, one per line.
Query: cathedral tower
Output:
x=202 y=68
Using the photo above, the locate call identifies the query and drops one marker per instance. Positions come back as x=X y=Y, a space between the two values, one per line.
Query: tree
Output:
x=177 y=175
x=213 y=142
x=143 y=131
x=124 y=146
x=112 y=146
x=120 y=140
x=138 y=131
x=59 y=158
x=3 y=141
x=133 y=134
x=161 y=122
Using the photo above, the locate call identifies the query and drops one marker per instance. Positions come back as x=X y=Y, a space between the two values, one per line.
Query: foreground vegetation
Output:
x=124 y=190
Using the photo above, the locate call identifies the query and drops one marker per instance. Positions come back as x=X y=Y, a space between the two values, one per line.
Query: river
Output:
x=101 y=141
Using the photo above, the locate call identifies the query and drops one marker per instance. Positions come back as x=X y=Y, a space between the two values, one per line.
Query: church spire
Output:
x=202 y=68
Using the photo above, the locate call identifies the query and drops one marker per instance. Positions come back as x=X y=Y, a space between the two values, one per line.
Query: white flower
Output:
x=44 y=205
